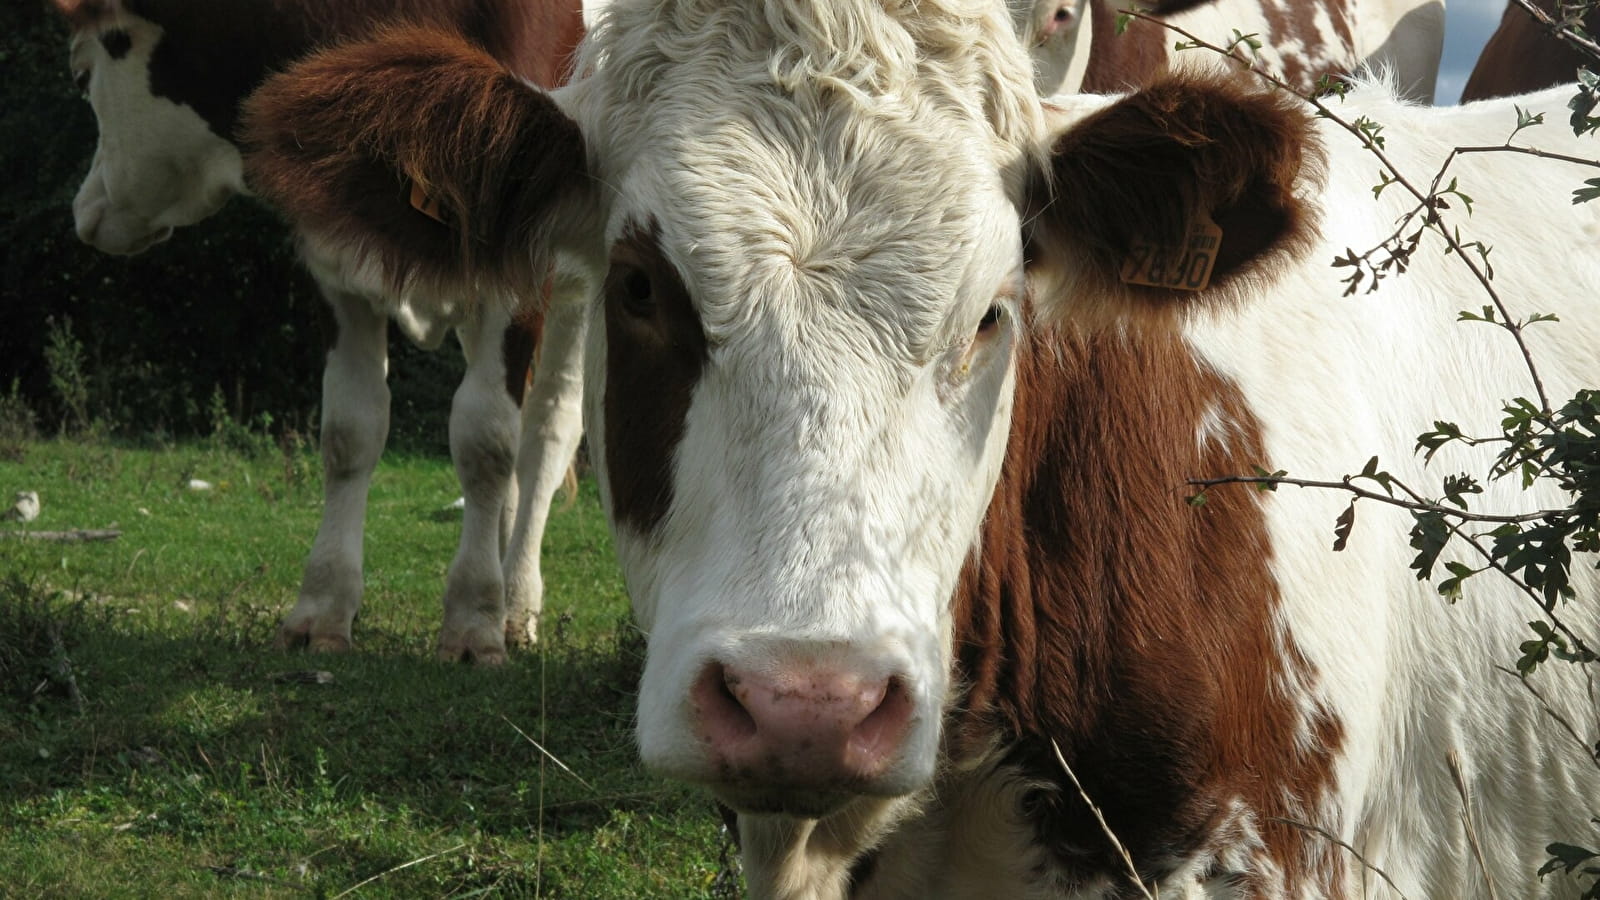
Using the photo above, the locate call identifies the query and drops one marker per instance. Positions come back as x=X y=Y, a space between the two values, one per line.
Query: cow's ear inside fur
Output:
x=1145 y=167
x=339 y=141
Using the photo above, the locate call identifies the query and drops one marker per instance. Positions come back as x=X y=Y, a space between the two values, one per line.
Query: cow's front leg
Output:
x=355 y=425
x=483 y=440
x=552 y=423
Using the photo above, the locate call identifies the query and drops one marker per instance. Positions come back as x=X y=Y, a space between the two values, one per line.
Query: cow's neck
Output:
x=1108 y=617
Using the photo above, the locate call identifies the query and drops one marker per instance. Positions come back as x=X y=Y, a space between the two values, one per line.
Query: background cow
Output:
x=1075 y=46
x=897 y=462
x=1521 y=56
x=166 y=79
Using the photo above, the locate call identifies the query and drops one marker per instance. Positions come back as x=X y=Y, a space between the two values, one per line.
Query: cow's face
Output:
x=799 y=391
x=158 y=165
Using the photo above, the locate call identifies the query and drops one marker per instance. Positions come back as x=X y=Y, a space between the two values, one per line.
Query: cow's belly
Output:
x=425 y=319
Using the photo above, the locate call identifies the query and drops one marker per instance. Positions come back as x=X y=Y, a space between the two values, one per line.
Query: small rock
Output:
x=26 y=509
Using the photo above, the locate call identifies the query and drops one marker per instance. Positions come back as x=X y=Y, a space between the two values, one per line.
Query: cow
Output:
x=899 y=467
x=1522 y=56
x=1075 y=46
x=166 y=79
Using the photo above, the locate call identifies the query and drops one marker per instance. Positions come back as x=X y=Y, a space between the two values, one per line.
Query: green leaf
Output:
x=1566 y=857
x=1342 y=526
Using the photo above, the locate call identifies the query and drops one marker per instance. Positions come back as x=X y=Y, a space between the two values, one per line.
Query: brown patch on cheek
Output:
x=655 y=353
x=1135 y=631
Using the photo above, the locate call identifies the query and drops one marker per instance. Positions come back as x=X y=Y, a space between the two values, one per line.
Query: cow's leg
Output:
x=552 y=423
x=355 y=425
x=483 y=440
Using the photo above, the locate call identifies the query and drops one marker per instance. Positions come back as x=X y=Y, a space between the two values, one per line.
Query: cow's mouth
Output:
x=800 y=804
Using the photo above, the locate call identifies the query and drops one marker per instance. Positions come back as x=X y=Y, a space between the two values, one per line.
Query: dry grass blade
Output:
x=1460 y=778
x=1334 y=839
x=405 y=865
x=1133 y=872
x=548 y=755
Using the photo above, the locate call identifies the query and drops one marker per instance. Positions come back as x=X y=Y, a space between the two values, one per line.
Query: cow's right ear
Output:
x=420 y=153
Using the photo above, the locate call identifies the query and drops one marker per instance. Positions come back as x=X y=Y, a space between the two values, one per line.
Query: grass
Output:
x=152 y=743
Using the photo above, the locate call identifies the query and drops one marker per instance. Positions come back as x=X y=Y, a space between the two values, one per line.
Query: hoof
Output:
x=301 y=638
x=522 y=635
x=471 y=653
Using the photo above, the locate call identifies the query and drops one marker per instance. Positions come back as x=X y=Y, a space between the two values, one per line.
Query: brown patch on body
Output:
x=1144 y=51
x=1137 y=632
x=1144 y=169
x=336 y=139
x=1521 y=56
x=655 y=353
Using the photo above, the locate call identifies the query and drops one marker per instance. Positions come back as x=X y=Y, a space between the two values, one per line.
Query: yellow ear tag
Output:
x=1185 y=268
x=425 y=204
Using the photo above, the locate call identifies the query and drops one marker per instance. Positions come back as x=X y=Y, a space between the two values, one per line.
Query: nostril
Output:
x=883 y=730
x=724 y=716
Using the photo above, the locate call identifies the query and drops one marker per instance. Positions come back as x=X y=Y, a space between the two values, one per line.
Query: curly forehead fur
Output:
x=816 y=152
x=961 y=56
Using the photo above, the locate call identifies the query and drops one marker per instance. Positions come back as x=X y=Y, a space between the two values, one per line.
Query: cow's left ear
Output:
x=1179 y=190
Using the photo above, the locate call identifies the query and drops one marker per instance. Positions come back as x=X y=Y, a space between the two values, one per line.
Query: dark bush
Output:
x=222 y=306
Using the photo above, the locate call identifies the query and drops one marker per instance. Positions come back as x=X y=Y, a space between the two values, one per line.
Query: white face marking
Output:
x=842 y=257
x=157 y=166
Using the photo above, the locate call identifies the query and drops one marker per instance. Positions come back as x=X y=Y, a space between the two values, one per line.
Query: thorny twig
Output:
x=1333 y=838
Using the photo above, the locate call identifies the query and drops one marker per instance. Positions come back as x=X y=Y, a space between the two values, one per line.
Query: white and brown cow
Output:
x=166 y=79
x=897 y=465
x=1075 y=46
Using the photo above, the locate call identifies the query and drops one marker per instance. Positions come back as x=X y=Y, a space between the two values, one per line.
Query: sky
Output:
x=1467 y=25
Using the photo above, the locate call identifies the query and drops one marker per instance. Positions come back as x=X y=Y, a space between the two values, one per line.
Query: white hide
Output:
x=157 y=165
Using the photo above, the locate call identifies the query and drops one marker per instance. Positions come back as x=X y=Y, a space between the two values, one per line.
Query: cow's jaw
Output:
x=158 y=165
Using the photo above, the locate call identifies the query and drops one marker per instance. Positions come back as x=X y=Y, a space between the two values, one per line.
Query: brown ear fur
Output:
x=337 y=141
x=1143 y=167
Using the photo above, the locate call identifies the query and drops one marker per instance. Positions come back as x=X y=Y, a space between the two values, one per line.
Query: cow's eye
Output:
x=991 y=318
x=631 y=288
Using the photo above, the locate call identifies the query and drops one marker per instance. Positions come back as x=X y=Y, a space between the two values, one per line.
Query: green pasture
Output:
x=154 y=744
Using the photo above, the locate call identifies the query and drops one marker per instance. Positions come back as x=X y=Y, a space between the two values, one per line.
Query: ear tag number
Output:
x=1185 y=268
x=424 y=203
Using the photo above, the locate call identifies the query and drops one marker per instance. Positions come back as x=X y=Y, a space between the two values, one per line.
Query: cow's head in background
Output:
x=809 y=223
x=160 y=163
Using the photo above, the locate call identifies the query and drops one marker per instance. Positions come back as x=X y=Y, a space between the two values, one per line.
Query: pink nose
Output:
x=800 y=728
